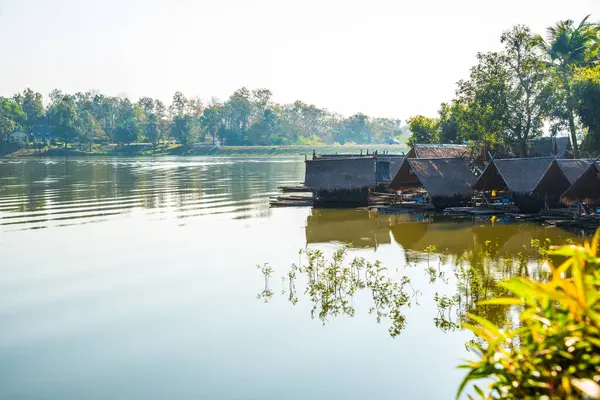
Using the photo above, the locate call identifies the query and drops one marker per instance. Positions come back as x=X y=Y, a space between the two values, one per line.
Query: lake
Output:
x=137 y=278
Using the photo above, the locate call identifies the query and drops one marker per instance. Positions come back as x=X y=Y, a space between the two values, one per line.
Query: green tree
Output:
x=185 y=129
x=528 y=87
x=210 y=121
x=568 y=46
x=152 y=130
x=586 y=91
x=62 y=117
x=128 y=126
x=450 y=122
x=423 y=130
x=10 y=113
x=87 y=127
x=482 y=100
x=33 y=107
x=164 y=124
x=179 y=104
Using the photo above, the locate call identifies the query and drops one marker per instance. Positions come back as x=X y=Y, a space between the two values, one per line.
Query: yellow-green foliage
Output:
x=554 y=353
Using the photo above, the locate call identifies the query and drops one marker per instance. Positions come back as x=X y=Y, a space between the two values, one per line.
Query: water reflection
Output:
x=467 y=257
x=40 y=193
x=332 y=285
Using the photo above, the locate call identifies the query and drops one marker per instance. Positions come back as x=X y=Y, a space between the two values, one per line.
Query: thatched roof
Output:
x=586 y=188
x=573 y=169
x=441 y=177
x=519 y=175
x=550 y=146
x=438 y=151
x=340 y=173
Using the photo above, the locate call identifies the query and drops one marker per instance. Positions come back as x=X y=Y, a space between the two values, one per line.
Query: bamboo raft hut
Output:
x=531 y=184
x=341 y=182
x=586 y=189
x=446 y=182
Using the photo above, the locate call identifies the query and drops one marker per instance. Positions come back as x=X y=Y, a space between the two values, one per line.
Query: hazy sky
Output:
x=385 y=58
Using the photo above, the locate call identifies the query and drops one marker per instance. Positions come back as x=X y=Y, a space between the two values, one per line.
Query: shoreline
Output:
x=223 y=151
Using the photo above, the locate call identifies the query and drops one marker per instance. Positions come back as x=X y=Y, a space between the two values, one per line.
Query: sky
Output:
x=392 y=58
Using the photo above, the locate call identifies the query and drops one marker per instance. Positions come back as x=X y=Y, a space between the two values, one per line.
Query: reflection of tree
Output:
x=477 y=274
x=332 y=285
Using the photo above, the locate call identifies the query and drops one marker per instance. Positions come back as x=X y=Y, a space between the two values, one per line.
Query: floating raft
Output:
x=295 y=189
x=291 y=201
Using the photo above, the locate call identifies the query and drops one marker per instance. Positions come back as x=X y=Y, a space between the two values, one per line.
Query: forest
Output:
x=536 y=85
x=248 y=117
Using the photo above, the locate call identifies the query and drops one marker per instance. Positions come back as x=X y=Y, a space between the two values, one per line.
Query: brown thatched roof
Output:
x=519 y=175
x=340 y=173
x=441 y=177
x=586 y=188
x=438 y=151
x=573 y=169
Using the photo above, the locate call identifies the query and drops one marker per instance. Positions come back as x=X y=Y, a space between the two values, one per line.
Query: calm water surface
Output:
x=137 y=278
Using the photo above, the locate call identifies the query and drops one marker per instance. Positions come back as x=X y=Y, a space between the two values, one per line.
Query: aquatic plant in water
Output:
x=332 y=285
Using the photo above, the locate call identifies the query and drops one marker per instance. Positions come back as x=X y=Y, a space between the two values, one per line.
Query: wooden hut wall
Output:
x=382 y=172
x=552 y=185
x=404 y=179
x=586 y=188
x=341 y=182
x=490 y=180
x=340 y=173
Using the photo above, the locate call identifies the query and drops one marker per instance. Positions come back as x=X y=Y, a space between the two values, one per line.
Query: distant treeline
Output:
x=534 y=81
x=246 y=118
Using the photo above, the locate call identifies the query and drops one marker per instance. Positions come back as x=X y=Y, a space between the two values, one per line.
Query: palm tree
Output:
x=568 y=46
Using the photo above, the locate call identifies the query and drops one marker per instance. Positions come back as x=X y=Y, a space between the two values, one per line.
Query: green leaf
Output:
x=486 y=324
x=501 y=301
x=479 y=391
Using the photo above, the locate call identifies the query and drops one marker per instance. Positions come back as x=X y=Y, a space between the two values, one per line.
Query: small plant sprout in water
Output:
x=267 y=293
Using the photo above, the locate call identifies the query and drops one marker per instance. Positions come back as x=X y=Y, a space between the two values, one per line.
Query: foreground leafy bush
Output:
x=554 y=350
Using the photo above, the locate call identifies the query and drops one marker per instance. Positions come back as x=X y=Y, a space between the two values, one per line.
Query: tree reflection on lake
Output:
x=467 y=256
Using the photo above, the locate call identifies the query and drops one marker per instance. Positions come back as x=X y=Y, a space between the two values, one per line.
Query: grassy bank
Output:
x=173 y=150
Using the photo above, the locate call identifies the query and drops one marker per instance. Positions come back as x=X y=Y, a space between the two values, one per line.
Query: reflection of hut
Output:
x=438 y=151
x=340 y=181
x=587 y=188
x=573 y=169
x=447 y=180
x=453 y=238
x=357 y=228
x=530 y=183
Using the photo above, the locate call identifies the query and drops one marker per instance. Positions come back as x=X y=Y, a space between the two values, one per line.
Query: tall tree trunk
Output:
x=523 y=147
x=573 y=130
x=570 y=107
